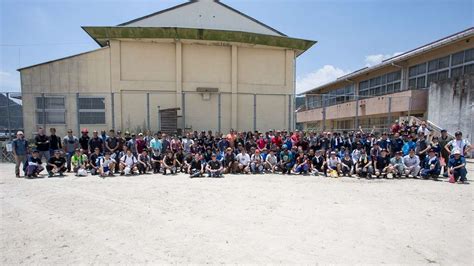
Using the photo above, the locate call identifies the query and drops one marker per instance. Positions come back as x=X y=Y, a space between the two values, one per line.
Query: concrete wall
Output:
x=165 y=70
x=451 y=105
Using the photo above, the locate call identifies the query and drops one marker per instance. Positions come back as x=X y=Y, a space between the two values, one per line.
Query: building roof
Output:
x=103 y=34
x=203 y=14
x=402 y=57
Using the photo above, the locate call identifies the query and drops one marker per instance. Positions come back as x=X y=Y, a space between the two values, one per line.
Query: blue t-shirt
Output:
x=453 y=162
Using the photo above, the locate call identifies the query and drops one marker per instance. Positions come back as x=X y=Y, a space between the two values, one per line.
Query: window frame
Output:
x=42 y=112
x=97 y=111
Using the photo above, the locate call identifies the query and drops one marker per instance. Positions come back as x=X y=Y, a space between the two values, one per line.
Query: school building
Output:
x=434 y=82
x=201 y=65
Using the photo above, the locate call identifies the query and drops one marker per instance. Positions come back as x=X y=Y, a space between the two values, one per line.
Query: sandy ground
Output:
x=237 y=219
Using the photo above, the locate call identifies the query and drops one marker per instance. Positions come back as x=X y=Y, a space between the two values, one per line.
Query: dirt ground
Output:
x=237 y=219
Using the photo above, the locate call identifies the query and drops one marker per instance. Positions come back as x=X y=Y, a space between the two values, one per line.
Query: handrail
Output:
x=430 y=125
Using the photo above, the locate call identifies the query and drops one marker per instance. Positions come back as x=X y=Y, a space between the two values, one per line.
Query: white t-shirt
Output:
x=271 y=159
x=243 y=159
x=458 y=145
x=333 y=162
x=128 y=160
x=105 y=162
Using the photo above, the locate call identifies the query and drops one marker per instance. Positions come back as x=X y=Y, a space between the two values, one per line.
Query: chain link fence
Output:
x=11 y=120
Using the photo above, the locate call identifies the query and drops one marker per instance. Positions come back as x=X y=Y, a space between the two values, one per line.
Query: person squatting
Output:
x=404 y=151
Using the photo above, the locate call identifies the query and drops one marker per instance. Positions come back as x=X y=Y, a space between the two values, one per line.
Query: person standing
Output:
x=96 y=143
x=20 y=150
x=84 y=141
x=70 y=144
x=458 y=144
x=112 y=146
x=42 y=144
x=444 y=157
x=55 y=142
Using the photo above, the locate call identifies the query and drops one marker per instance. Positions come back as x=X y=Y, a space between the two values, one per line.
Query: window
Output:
x=439 y=68
x=396 y=87
x=469 y=55
x=381 y=85
x=443 y=75
x=420 y=82
x=457 y=58
x=412 y=83
x=469 y=69
x=91 y=110
x=456 y=72
x=439 y=63
x=50 y=110
x=417 y=70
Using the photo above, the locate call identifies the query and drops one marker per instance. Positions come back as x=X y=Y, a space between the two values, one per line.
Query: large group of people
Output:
x=406 y=150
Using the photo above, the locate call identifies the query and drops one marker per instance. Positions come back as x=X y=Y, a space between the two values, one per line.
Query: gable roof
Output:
x=204 y=14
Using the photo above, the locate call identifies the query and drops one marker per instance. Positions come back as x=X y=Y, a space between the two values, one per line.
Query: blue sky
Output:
x=350 y=34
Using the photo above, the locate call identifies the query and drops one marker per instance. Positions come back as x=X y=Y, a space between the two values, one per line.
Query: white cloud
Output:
x=373 y=59
x=319 y=77
x=9 y=81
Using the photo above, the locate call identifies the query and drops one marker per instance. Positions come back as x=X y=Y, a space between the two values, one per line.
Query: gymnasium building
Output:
x=201 y=65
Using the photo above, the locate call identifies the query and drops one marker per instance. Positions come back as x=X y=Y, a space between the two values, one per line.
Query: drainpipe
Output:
x=395 y=65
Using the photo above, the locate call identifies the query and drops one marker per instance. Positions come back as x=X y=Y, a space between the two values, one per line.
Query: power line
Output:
x=41 y=44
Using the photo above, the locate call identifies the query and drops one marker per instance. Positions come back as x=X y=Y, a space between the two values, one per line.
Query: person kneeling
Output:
x=214 y=167
x=333 y=166
x=169 y=163
x=144 y=165
x=457 y=167
x=56 y=164
x=196 y=167
x=256 y=164
x=128 y=164
x=79 y=163
x=382 y=164
x=302 y=165
x=431 y=166
x=106 y=165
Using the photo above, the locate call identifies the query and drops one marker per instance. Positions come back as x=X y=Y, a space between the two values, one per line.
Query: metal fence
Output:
x=11 y=114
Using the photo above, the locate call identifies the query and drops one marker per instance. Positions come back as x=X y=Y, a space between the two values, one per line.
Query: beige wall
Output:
x=166 y=69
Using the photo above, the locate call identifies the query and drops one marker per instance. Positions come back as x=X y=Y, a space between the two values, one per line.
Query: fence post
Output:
x=183 y=103
x=219 y=113
x=409 y=107
x=324 y=113
x=159 y=119
x=356 y=124
x=254 y=112
x=112 y=102
x=389 y=111
x=8 y=117
x=289 y=112
x=44 y=110
x=77 y=114
x=148 y=110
